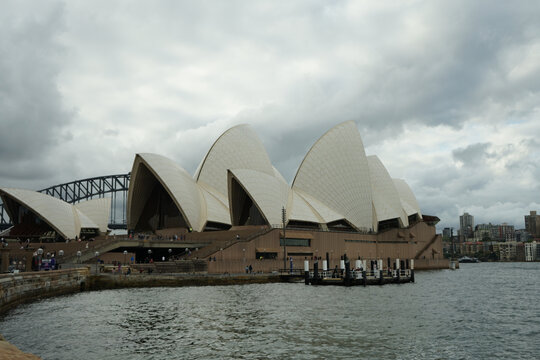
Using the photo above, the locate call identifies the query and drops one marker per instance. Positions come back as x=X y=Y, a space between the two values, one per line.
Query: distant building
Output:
x=531 y=251
x=532 y=224
x=521 y=235
x=466 y=226
x=520 y=252
x=490 y=232
x=483 y=232
x=507 y=251
x=505 y=232
x=447 y=234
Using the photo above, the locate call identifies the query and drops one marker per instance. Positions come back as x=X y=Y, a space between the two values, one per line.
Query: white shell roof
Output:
x=84 y=221
x=320 y=210
x=179 y=185
x=237 y=148
x=335 y=172
x=334 y=182
x=299 y=209
x=216 y=210
x=386 y=200
x=408 y=200
x=97 y=210
x=60 y=215
x=268 y=192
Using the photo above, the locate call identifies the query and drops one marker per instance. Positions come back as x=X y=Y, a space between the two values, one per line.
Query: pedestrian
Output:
x=247 y=269
x=250 y=269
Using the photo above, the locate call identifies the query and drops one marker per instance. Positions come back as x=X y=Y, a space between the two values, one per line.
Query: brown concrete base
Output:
x=431 y=264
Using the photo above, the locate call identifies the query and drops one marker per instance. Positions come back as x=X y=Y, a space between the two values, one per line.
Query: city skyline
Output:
x=446 y=94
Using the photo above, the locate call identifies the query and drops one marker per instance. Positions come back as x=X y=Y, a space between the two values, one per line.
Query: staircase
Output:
x=217 y=245
x=431 y=242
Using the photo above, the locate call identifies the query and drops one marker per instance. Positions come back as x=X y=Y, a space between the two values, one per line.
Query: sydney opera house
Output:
x=237 y=203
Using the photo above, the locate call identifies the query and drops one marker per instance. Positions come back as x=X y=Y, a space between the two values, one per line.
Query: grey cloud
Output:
x=33 y=117
x=473 y=155
x=111 y=132
x=291 y=70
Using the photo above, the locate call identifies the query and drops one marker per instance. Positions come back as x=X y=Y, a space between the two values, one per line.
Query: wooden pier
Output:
x=364 y=273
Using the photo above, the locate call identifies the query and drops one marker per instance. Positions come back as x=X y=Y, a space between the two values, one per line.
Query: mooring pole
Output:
x=315 y=279
x=397 y=269
x=306 y=271
x=347 y=271
x=283 y=218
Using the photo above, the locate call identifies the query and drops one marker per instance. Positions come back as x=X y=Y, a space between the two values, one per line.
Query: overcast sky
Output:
x=446 y=93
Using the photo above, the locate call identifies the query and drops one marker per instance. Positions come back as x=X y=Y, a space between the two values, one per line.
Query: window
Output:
x=266 y=255
x=295 y=242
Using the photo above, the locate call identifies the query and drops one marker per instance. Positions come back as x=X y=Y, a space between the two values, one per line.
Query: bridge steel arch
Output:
x=86 y=189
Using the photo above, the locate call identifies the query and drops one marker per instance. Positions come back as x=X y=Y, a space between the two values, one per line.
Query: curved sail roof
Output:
x=335 y=172
x=237 y=148
x=300 y=209
x=269 y=193
x=176 y=181
x=58 y=214
x=216 y=210
x=386 y=200
x=335 y=182
x=97 y=210
x=407 y=198
x=320 y=210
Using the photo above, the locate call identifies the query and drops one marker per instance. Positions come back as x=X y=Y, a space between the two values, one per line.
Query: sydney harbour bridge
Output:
x=114 y=186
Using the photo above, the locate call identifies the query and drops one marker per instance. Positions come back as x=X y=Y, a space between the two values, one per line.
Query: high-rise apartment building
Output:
x=466 y=226
x=532 y=224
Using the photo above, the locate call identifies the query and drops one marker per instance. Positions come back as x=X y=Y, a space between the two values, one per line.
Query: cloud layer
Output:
x=446 y=93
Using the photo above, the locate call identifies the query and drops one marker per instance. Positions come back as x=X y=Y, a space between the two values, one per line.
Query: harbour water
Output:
x=481 y=311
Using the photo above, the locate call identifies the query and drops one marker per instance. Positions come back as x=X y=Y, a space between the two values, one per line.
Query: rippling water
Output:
x=482 y=311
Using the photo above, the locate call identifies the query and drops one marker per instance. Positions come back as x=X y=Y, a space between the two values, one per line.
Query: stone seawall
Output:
x=102 y=282
x=18 y=288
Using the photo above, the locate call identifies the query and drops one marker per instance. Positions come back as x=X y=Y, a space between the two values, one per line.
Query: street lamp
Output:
x=283 y=218
x=79 y=257
x=97 y=260
x=60 y=256
x=244 y=251
x=150 y=254
x=170 y=253
x=125 y=254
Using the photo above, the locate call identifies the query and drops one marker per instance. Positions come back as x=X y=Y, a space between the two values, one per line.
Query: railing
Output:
x=425 y=247
x=355 y=274
x=319 y=229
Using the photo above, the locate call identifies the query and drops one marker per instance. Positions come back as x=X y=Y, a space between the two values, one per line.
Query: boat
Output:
x=466 y=259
